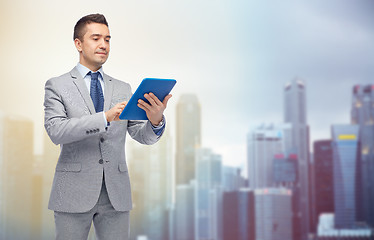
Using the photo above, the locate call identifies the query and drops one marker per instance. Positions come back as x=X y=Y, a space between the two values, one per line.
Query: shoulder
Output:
x=59 y=79
x=118 y=83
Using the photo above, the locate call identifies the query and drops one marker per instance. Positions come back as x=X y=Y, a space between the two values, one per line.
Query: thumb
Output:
x=166 y=99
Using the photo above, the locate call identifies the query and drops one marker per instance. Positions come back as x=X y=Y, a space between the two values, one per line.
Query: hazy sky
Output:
x=235 y=56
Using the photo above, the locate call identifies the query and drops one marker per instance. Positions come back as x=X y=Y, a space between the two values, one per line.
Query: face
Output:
x=94 y=49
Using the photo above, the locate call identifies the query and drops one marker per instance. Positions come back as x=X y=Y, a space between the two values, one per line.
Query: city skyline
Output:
x=235 y=56
x=296 y=73
x=206 y=186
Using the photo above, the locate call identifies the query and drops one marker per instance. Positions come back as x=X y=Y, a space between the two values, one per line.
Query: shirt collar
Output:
x=83 y=70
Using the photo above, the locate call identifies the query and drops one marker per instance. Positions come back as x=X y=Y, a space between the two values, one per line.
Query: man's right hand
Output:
x=113 y=114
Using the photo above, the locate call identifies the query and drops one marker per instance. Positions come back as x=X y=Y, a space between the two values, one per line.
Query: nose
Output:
x=103 y=44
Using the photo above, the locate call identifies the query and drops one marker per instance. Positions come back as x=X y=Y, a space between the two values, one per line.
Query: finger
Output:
x=166 y=99
x=119 y=106
x=142 y=107
x=150 y=99
x=155 y=98
x=144 y=104
x=124 y=103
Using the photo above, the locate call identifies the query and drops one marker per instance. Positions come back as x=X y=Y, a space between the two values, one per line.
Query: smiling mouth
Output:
x=101 y=53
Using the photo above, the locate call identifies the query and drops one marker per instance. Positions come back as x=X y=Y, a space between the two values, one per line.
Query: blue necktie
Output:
x=96 y=92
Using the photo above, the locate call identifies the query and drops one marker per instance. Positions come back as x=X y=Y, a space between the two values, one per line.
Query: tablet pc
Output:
x=160 y=87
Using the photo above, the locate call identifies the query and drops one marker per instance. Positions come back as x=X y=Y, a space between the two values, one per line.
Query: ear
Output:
x=78 y=44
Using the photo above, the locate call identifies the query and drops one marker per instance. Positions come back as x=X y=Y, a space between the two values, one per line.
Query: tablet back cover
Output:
x=160 y=87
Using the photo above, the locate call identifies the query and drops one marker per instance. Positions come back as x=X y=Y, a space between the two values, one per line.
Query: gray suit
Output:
x=88 y=149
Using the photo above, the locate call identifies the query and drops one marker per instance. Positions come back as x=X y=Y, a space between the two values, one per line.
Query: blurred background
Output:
x=270 y=131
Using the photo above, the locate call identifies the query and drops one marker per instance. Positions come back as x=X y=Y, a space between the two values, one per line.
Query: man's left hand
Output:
x=155 y=109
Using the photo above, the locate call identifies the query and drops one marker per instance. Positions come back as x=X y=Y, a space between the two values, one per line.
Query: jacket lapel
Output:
x=107 y=91
x=81 y=85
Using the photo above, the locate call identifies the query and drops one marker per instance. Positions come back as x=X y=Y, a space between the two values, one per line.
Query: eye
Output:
x=107 y=40
x=95 y=39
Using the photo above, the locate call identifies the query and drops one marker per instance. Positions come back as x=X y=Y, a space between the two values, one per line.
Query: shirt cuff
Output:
x=158 y=129
x=106 y=122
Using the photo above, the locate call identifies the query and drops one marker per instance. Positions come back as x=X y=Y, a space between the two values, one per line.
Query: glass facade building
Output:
x=188 y=133
x=345 y=147
x=239 y=215
x=208 y=195
x=295 y=114
x=362 y=114
x=285 y=168
x=273 y=214
x=327 y=231
x=263 y=143
x=324 y=177
x=184 y=228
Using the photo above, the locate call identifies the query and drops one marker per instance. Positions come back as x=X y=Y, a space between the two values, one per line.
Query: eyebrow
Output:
x=99 y=35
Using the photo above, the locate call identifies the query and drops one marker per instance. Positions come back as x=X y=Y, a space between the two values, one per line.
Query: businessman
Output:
x=82 y=108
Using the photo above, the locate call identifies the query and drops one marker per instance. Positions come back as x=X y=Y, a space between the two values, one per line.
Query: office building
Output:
x=295 y=114
x=150 y=169
x=263 y=143
x=188 y=133
x=184 y=224
x=37 y=198
x=208 y=198
x=232 y=179
x=285 y=169
x=324 y=177
x=16 y=159
x=327 y=231
x=257 y=214
x=273 y=211
x=362 y=114
x=239 y=215
x=51 y=153
x=345 y=149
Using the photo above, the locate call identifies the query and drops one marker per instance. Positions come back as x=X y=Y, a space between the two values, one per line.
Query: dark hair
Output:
x=81 y=24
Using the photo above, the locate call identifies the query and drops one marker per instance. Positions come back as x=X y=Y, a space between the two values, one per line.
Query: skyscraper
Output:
x=16 y=158
x=327 y=231
x=208 y=199
x=273 y=213
x=138 y=164
x=151 y=173
x=37 y=198
x=232 y=179
x=188 y=135
x=284 y=170
x=50 y=156
x=184 y=228
x=295 y=114
x=264 y=213
x=324 y=177
x=345 y=148
x=239 y=215
x=362 y=114
x=263 y=143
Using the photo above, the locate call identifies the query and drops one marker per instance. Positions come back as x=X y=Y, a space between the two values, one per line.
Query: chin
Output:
x=100 y=62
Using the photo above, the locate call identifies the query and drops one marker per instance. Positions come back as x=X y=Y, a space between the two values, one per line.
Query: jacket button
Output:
x=102 y=139
x=101 y=161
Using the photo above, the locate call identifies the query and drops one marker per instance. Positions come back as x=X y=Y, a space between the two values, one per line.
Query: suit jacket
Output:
x=88 y=148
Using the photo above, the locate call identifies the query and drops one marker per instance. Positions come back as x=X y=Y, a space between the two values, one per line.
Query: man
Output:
x=82 y=109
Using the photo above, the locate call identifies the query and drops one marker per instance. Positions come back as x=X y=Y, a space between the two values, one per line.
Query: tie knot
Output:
x=94 y=76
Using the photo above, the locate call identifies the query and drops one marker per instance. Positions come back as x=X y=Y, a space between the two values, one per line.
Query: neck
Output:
x=93 y=68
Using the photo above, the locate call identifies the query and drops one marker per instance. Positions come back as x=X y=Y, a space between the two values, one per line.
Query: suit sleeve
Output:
x=62 y=129
x=142 y=131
